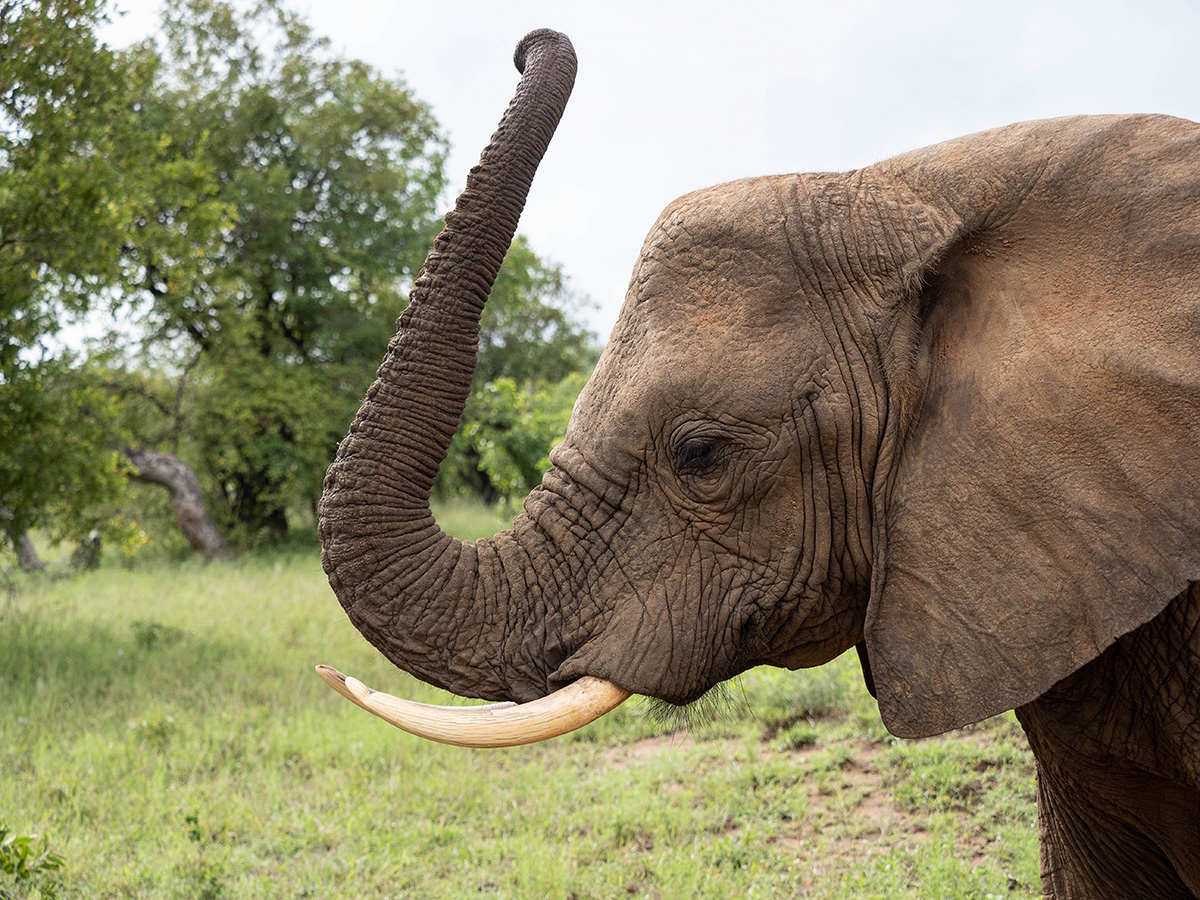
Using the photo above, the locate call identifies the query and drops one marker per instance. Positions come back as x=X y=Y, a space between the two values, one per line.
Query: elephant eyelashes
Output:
x=698 y=457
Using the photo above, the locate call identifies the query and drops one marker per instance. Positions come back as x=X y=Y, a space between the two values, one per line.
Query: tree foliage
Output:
x=63 y=197
x=55 y=446
x=331 y=172
x=502 y=449
x=527 y=332
x=533 y=361
x=254 y=206
x=72 y=159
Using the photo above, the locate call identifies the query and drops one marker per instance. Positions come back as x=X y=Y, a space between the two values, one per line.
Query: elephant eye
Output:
x=698 y=456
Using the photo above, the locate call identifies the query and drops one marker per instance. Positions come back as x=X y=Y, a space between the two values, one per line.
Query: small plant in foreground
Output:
x=30 y=864
x=148 y=635
x=797 y=735
x=206 y=876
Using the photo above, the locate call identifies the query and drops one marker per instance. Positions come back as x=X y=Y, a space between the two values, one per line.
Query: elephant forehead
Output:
x=747 y=371
x=737 y=213
x=729 y=233
x=716 y=321
x=722 y=260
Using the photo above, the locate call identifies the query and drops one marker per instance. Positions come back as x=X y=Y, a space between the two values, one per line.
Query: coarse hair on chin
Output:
x=714 y=705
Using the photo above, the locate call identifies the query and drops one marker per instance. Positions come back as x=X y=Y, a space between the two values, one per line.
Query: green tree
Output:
x=507 y=433
x=332 y=172
x=78 y=167
x=533 y=360
x=259 y=205
x=527 y=332
x=58 y=462
x=63 y=199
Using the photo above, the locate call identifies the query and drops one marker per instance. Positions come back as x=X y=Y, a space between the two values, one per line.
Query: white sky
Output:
x=672 y=96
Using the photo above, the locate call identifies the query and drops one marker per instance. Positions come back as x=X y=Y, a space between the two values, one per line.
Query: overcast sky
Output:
x=673 y=96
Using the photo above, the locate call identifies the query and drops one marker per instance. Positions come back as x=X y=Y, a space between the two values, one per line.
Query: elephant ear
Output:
x=1045 y=498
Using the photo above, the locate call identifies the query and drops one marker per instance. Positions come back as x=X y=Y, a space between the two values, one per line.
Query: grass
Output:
x=163 y=730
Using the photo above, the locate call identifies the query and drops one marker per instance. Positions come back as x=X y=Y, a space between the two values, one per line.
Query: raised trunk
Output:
x=436 y=607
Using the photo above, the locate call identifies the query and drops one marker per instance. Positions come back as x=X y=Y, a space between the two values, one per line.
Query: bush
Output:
x=28 y=863
x=503 y=447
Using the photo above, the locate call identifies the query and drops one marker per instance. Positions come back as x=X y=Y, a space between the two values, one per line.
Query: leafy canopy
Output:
x=77 y=170
x=331 y=172
x=254 y=207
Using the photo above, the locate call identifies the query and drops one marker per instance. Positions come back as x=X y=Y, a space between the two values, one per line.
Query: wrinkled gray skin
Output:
x=948 y=405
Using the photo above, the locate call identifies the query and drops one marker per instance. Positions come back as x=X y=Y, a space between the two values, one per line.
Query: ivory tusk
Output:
x=495 y=725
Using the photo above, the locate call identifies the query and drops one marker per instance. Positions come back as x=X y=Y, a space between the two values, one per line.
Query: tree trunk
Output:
x=27 y=556
x=187 y=499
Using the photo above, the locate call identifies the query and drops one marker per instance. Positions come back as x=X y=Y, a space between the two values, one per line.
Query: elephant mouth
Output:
x=494 y=725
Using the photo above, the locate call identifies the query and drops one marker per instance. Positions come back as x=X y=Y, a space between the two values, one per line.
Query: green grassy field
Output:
x=163 y=729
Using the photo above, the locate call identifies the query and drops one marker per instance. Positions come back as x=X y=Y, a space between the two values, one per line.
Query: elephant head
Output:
x=948 y=405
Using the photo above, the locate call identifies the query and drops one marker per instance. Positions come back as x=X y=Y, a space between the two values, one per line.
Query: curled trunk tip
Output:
x=533 y=39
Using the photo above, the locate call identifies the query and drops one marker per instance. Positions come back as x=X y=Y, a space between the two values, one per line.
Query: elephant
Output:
x=944 y=408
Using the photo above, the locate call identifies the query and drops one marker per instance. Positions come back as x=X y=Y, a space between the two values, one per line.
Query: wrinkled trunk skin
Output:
x=438 y=608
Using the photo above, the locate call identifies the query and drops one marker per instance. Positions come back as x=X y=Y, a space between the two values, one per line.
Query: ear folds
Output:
x=1046 y=498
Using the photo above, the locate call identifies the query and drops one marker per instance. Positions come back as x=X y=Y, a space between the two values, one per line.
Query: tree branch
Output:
x=186 y=497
